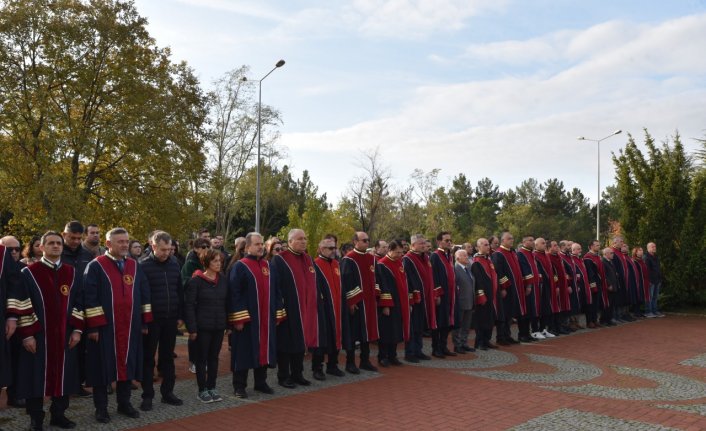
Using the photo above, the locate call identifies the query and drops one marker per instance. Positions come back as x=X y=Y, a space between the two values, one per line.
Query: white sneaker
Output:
x=548 y=334
x=650 y=315
x=192 y=368
x=538 y=335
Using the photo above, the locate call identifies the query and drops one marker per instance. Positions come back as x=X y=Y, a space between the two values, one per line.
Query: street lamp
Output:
x=598 y=202
x=259 y=141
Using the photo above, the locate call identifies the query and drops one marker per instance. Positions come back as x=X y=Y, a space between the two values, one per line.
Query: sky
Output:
x=490 y=88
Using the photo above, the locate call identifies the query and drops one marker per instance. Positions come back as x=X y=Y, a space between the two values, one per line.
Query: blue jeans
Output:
x=654 y=295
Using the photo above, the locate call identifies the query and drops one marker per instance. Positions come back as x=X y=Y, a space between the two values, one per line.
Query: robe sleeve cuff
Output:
x=239 y=317
x=280 y=315
x=28 y=325
x=438 y=292
x=417 y=297
x=504 y=282
x=528 y=280
x=354 y=296
x=147 y=313
x=16 y=307
x=78 y=322
x=378 y=292
x=386 y=300
x=95 y=317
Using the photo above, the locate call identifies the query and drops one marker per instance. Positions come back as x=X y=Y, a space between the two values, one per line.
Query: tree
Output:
x=233 y=141
x=485 y=208
x=369 y=193
x=461 y=203
x=96 y=122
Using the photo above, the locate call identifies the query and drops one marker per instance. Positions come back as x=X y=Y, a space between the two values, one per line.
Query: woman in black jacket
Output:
x=206 y=321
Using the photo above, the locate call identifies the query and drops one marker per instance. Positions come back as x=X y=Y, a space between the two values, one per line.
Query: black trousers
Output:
x=483 y=337
x=364 y=353
x=240 y=378
x=35 y=407
x=208 y=347
x=387 y=351
x=162 y=337
x=290 y=365
x=192 y=351
x=317 y=359
x=523 y=326
x=122 y=393
x=440 y=339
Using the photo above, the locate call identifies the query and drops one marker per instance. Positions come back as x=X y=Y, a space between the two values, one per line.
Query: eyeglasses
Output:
x=277 y=249
x=15 y=249
x=204 y=247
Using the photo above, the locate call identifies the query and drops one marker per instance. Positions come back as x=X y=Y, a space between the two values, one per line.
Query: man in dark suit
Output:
x=464 y=302
x=612 y=287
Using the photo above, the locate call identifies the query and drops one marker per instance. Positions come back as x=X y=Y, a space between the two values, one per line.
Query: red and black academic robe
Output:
x=621 y=269
x=582 y=281
x=55 y=295
x=360 y=287
x=549 y=280
x=631 y=279
x=295 y=281
x=394 y=294
x=510 y=280
x=486 y=292
x=335 y=310
x=530 y=279
x=421 y=285
x=570 y=269
x=117 y=305
x=254 y=302
x=442 y=266
x=561 y=279
x=645 y=278
x=10 y=306
x=596 y=273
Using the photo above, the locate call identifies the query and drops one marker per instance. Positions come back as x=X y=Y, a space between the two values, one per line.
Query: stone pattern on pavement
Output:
x=565 y=419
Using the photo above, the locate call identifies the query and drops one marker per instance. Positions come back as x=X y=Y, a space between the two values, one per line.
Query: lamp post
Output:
x=598 y=202
x=259 y=141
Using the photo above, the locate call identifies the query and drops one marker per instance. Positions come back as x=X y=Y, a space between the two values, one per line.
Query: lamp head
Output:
x=280 y=63
x=581 y=138
x=617 y=132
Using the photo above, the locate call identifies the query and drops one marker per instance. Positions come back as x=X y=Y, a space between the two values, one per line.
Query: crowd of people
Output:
x=69 y=302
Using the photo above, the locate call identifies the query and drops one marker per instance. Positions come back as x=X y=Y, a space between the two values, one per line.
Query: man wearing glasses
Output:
x=360 y=287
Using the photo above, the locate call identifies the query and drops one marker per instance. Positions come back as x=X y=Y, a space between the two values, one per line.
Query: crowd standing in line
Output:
x=68 y=301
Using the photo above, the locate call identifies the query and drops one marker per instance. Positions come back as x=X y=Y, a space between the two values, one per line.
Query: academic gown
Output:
x=571 y=271
x=361 y=289
x=395 y=295
x=549 y=280
x=596 y=272
x=621 y=269
x=445 y=285
x=56 y=297
x=561 y=278
x=421 y=285
x=631 y=279
x=295 y=281
x=10 y=306
x=530 y=279
x=254 y=302
x=486 y=292
x=644 y=278
x=335 y=309
x=117 y=305
x=510 y=280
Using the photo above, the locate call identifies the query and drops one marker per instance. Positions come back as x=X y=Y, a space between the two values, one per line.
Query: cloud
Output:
x=615 y=75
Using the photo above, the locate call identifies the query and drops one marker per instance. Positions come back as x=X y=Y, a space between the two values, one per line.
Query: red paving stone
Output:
x=426 y=398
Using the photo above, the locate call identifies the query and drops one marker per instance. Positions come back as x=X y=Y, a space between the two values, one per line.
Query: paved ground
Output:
x=648 y=375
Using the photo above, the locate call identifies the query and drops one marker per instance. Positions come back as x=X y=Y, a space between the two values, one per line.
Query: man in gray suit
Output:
x=464 y=302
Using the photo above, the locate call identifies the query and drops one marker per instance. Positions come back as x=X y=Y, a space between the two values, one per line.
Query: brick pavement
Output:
x=644 y=375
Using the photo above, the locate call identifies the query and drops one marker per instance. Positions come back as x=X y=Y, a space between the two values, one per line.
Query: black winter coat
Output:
x=206 y=303
x=166 y=287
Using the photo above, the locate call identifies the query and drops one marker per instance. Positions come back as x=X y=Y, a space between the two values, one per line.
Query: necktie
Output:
x=121 y=264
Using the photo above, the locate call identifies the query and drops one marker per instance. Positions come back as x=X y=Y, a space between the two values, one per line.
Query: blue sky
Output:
x=490 y=88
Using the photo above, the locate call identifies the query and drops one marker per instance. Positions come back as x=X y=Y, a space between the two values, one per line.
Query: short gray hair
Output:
x=459 y=252
x=293 y=232
x=161 y=236
x=416 y=238
x=115 y=231
x=250 y=236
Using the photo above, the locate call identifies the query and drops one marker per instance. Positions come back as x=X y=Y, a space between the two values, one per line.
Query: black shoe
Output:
x=172 y=399
x=437 y=354
x=240 y=393
x=102 y=416
x=146 y=404
x=526 y=339
x=37 y=422
x=319 y=375
x=468 y=349
x=460 y=350
x=396 y=362
x=301 y=381
x=287 y=383
x=513 y=341
x=335 y=371
x=484 y=348
x=83 y=393
x=129 y=411
x=62 y=422
x=368 y=366
x=382 y=362
x=424 y=357
x=265 y=389
x=503 y=342
x=491 y=345
x=351 y=368
x=411 y=359
x=110 y=390
x=19 y=403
